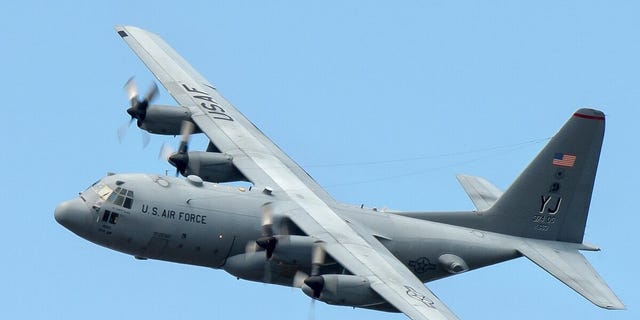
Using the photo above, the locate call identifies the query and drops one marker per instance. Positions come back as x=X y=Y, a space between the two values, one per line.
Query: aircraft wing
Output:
x=228 y=129
x=390 y=279
x=262 y=162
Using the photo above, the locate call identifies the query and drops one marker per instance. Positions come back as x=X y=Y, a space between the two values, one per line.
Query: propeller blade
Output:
x=180 y=159
x=185 y=131
x=317 y=258
x=138 y=109
x=146 y=138
x=132 y=90
x=298 y=279
x=153 y=91
x=312 y=310
x=251 y=247
x=122 y=130
x=267 y=219
x=267 y=241
x=165 y=151
x=266 y=276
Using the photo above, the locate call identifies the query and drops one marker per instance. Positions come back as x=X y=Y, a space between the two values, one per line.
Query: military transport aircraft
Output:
x=285 y=229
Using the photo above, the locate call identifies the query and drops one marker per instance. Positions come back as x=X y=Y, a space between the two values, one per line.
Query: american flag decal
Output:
x=564 y=160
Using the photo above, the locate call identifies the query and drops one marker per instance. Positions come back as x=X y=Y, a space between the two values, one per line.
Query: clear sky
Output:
x=382 y=102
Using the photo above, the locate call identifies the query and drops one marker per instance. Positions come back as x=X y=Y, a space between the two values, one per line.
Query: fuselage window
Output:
x=114 y=218
x=110 y=217
x=105 y=216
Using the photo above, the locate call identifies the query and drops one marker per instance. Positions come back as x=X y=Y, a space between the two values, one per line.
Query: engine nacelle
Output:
x=345 y=290
x=212 y=167
x=249 y=266
x=293 y=250
x=166 y=120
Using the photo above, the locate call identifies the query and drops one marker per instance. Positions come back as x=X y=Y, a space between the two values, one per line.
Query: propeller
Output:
x=179 y=159
x=314 y=281
x=138 y=108
x=267 y=242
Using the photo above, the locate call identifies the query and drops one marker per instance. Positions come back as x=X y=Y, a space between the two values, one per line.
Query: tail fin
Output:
x=550 y=199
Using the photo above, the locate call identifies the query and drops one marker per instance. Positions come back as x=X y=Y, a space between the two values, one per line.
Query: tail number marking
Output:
x=547 y=203
x=549 y=207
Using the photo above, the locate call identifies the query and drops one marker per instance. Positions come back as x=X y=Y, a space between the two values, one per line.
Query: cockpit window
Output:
x=121 y=197
x=128 y=202
x=103 y=190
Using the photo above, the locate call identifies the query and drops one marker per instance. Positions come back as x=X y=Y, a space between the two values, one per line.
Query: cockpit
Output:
x=102 y=205
x=99 y=193
x=121 y=197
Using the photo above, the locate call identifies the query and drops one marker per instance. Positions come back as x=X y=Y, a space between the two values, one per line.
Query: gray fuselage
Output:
x=212 y=225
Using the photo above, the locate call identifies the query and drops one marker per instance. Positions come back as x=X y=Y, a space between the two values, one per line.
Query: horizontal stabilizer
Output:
x=483 y=194
x=563 y=261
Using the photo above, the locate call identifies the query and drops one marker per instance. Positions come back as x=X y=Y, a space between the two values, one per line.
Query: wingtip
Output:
x=126 y=30
x=617 y=306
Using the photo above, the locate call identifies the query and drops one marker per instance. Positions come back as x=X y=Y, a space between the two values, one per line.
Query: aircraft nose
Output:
x=72 y=215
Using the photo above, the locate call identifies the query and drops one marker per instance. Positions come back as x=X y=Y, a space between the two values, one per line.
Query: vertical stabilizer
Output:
x=550 y=199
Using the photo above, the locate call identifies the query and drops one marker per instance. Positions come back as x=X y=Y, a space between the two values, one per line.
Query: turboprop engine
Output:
x=344 y=290
x=288 y=250
x=210 y=166
x=166 y=120
x=157 y=119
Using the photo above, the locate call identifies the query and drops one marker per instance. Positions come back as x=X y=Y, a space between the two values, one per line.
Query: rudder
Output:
x=550 y=199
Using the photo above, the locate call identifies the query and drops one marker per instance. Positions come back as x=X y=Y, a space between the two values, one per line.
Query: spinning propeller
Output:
x=138 y=108
x=314 y=281
x=179 y=159
x=267 y=242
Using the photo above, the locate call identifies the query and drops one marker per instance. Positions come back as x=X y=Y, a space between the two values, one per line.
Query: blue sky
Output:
x=382 y=103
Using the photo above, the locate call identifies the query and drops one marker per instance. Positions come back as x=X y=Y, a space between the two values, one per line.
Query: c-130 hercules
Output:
x=287 y=230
